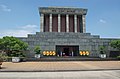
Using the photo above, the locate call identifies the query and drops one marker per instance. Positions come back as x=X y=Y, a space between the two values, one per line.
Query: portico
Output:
x=62 y=19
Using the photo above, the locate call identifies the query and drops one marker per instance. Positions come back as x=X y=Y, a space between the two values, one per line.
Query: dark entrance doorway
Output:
x=67 y=50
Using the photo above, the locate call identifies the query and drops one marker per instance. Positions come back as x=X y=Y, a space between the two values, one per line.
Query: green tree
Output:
x=102 y=49
x=115 y=44
x=3 y=57
x=37 y=49
x=12 y=44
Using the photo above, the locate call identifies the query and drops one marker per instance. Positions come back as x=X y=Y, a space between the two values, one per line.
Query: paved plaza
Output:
x=61 y=66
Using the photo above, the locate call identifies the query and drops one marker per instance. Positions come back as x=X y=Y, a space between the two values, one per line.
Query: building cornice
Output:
x=62 y=10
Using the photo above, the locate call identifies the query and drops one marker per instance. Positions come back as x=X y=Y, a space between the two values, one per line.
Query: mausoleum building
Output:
x=63 y=33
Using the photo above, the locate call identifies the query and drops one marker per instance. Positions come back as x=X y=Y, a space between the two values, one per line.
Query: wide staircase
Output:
x=70 y=59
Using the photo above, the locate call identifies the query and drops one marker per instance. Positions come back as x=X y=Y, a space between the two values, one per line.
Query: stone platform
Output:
x=68 y=58
x=48 y=41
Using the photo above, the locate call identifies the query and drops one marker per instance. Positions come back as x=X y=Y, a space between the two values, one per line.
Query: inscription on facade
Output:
x=63 y=11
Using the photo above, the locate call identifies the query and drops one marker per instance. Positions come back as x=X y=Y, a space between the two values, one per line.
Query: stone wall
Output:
x=49 y=40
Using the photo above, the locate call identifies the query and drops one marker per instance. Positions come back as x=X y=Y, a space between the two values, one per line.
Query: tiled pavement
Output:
x=61 y=66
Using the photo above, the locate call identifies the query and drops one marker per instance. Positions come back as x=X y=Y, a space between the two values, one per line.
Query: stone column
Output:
x=59 y=23
x=83 y=23
x=67 y=23
x=50 y=24
x=72 y=54
x=61 y=54
x=75 y=23
x=41 y=22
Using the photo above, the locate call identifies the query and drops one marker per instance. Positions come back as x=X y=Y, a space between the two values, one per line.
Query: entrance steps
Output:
x=70 y=59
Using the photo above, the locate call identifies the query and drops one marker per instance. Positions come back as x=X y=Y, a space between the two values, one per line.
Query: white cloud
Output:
x=29 y=26
x=5 y=8
x=102 y=21
x=16 y=33
x=20 y=32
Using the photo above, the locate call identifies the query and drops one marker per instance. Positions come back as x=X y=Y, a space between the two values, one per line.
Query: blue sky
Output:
x=21 y=17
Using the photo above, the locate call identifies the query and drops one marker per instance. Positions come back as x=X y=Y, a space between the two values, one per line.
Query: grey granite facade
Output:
x=49 y=40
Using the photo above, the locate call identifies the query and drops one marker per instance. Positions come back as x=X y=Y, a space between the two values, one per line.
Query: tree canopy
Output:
x=10 y=44
x=102 y=49
x=115 y=44
x=37 y=49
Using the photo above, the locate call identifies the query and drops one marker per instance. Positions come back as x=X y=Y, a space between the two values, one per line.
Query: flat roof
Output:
x=62 y=10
